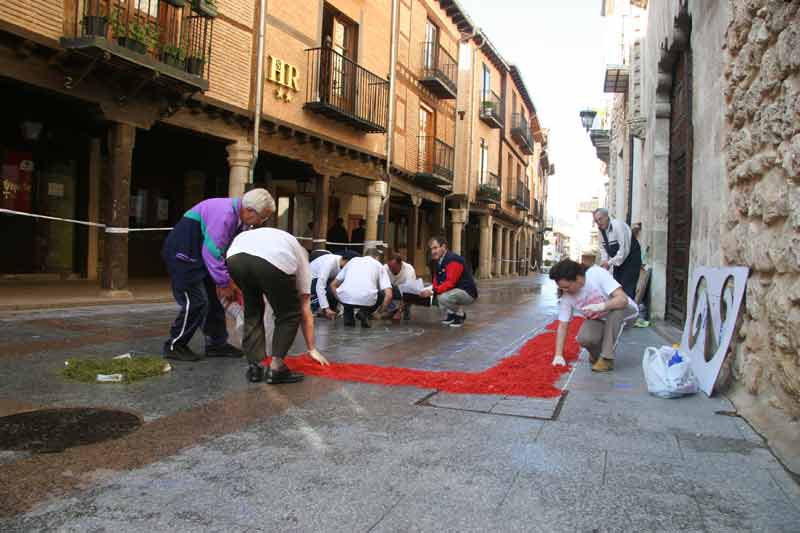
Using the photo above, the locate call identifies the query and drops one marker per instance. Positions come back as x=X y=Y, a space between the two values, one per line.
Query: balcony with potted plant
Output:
x=488 y=188
x=164 y=43
x=491 y=109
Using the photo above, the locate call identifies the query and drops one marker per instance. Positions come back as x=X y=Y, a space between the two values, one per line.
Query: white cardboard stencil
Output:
x=715 y=296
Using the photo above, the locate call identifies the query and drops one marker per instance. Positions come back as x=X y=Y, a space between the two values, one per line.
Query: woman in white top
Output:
x=595 y=295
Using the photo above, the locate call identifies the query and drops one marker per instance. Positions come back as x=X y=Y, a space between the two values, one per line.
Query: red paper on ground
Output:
x=529 y=372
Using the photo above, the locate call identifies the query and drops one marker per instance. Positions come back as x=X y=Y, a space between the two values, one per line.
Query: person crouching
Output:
x=363 y=285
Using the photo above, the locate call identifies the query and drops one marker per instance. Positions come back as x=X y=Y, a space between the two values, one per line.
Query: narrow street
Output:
x=215 y=453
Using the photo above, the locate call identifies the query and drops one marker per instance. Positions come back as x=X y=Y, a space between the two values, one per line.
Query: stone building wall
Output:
x=762 y=220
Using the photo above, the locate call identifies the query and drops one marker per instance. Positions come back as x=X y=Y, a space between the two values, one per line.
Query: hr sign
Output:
x=284 y=75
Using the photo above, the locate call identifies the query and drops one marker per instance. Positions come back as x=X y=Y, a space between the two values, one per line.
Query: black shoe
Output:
x=406 y=313
x=223 y=350
x=255 y=373
x=350 y=323
x=365 y=323
x=449 y=319
x=458 y=321
x=284 y=375
x=180 y=352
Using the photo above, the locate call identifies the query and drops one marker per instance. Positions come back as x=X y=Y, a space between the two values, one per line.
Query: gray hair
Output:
x=602 y=210
x=258 y=200
x=373 y=251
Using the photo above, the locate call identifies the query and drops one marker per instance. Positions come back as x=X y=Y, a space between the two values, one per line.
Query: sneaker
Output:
x=458 y=321
x=223 y=350
x=255 y=373
x=451 y=317
x=603 y=365
x=180 y=352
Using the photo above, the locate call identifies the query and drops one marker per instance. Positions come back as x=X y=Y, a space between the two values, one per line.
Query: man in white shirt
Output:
x=270 y=263
x=363 y=285
x=324 y=270
x=593 y=294
x=400 y=273
x=620 y=251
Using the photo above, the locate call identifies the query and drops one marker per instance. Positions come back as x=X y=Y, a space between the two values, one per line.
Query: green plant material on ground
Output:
x=135 y=369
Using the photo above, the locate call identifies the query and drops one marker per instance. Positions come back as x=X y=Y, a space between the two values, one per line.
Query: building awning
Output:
x=616 y=79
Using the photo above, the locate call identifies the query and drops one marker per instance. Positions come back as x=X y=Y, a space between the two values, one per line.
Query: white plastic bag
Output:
x=668 y=373
x=234 y=318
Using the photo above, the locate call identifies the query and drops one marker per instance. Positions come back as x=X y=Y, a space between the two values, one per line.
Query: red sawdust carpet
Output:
x=528 y=372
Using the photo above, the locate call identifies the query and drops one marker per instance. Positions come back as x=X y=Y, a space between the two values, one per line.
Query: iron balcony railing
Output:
x=435 y=158
x=439 y=71
x=523 y=196
x=535 y=212
x=342 y=90
x=521 y=132
x=491 y=109
x=149 y=33
x=489 y=187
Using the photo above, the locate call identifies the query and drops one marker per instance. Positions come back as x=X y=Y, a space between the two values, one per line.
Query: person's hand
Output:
x=592 y=309
x=329 y=313
x=226 y=293
x=318 y=357
x=558 y=360
x=604 y=264
x=427 y=293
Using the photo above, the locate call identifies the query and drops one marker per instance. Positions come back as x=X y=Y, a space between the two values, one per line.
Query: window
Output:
x=513 y=102
x=337 y=69
x=427 y=128
x=431 y=45
x=484 y=167
x=487 y=80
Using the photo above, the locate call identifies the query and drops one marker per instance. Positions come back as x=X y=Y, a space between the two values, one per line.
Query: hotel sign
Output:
x=285 y=76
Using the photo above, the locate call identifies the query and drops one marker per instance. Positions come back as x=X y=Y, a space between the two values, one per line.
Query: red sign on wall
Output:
x=16 y=181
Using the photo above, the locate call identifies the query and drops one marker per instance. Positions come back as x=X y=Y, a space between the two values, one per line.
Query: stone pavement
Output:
x=217 y=454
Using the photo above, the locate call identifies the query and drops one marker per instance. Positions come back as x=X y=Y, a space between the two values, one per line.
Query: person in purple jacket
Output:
x=194 y=252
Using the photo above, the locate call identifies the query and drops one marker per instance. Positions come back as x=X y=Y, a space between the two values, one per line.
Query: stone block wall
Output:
x=762 y=222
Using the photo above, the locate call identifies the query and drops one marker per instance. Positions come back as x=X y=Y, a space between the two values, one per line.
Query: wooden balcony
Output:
x=342 y=90
x=439 y=71
x=160 y=42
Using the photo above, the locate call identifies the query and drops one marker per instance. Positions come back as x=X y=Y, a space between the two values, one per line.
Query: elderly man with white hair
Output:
x=620 y=252
x=194 y=253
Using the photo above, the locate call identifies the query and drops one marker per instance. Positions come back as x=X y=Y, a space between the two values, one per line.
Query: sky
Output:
x=558 y=45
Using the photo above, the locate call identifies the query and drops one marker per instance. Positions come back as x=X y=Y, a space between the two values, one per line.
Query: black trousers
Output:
x=199 y=307
x=333 y=301
x=258 y=278
x=627 y=274
x=349 y=310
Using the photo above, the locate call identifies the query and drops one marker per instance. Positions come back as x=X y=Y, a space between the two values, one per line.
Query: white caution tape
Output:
x=108 y=229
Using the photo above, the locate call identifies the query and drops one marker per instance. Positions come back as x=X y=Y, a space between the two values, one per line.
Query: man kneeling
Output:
x=363 y=286
x=591 y=293
x=453 y=283
x=270 y=263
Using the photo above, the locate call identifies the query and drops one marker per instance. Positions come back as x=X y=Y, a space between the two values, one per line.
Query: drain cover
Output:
x=55 y=430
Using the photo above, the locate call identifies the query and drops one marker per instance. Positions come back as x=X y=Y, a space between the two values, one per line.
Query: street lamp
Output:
x=587 y=118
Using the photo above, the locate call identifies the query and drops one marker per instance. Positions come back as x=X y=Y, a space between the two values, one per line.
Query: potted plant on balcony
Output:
x=206 y=8
x=488 y=107
x=174 y=56
x=195 y=65
x=134 y=35
x=94 y=22
x=489 y=192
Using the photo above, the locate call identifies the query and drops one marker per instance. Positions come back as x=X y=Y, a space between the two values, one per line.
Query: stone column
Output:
x=458 y=218
x=95 y=173
x=485 y=252
x=321 y=194
x=413 y=230
x=375 y=193
x=514 y=266
x=121 y=139
x=240 y=156
x=498 y=251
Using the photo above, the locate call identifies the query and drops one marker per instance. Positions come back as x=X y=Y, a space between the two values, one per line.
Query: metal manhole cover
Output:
x=55 y=430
